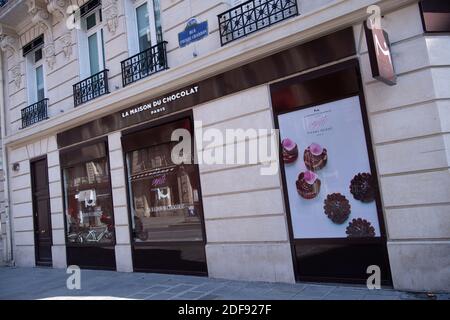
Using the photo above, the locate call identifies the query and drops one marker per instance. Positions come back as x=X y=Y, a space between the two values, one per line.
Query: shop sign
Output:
x=380 y=55
x=159 y=105
x=194 y=31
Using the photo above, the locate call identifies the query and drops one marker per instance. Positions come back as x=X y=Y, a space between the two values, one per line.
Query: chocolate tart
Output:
x=315 y=157
x=308 y=185
x=360 y=228
x=337 y=208
x=362 y=187
x=290 y=150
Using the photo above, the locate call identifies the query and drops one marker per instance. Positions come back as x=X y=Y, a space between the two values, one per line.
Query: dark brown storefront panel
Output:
x=336 y=46
x=331 y=259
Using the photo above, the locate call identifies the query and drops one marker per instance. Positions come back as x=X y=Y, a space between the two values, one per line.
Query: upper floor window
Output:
x=144 y=27
x=35 y=76
x=92 y=52
x=435 y=15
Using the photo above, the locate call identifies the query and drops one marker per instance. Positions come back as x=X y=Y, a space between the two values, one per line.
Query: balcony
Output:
x=144 y=64
x=91 y=88
x=252 y=16
x=34 y=113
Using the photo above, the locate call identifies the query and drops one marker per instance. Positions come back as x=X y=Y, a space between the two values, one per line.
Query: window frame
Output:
x=84 y=35
x=133 y=32
x=31 y=68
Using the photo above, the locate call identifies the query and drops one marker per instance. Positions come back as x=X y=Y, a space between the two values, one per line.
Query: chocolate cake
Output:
x=308 y=185
x=290 y=150
x=360 y=228
x=337 y=208
x=315 y=157
x=362 y=187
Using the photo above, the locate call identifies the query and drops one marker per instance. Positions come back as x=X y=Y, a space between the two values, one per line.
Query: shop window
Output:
x=88 y=201
x=435 y=15
x=145 y=28
x=165 y=197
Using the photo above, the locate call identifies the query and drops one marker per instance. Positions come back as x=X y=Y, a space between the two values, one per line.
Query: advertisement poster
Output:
x=329 y=183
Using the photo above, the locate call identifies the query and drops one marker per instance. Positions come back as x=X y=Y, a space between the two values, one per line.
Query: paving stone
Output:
x=39 y=283
x=160 y=296
x=179 y=288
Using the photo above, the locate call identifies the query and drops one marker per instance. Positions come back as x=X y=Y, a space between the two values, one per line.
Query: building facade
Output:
x=95 y=91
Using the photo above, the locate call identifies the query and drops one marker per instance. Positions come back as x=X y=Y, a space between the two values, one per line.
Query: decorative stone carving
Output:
x=57 y=8
x=66 y=41
x=8 y=44
x=9 y=41
x=49 y=53
x=16 y=73
x=111 y=13
x=41 y=18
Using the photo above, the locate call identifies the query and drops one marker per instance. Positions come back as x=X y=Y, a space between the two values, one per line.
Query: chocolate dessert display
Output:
x=360 y=228
x=308 y=185
x=337 y=208
x=362 y=187
x=315 y=157
x=290 y=150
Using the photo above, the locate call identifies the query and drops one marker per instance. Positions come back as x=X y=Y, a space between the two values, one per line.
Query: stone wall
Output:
x=410 y=132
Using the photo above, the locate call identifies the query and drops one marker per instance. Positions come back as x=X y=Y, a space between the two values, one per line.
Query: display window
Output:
x=88 y=201
x=329 y=180
x=165 y=197
x=329 y=176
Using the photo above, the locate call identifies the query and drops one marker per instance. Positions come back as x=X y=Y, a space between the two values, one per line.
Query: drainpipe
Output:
x=8 y=240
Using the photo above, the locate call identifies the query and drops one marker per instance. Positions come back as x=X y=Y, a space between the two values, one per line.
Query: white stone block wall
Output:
x=246 y=226
x=124 y=262
x=21 y=207
x=410 y=133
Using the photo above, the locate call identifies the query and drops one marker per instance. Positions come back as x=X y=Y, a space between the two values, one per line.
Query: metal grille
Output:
x=34 y=113
x=252 y=16
x=91 y=88
x=144 y=64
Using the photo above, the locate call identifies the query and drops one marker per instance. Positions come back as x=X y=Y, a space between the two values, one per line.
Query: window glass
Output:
x=157 y=11
x=93 y=54
x=88 y=201
x=143 y=25
x=165 y=196
x=37 y=55
x=91 y=21
x=40 y=83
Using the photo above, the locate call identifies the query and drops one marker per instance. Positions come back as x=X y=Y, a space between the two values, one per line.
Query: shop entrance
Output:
x=329 y=175
x=41 y=212
x=165 y=200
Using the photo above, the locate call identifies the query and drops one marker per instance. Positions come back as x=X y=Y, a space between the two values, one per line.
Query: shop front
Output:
x=327 y=168
x=166 y=214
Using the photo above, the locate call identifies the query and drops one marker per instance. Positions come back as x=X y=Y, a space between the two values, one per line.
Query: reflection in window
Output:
x=88 y=201
x=165 y=196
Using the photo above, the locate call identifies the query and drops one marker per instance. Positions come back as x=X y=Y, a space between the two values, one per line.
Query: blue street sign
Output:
x=194 y=31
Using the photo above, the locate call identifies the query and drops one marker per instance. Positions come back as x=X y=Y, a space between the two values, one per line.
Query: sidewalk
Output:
x=42 y=283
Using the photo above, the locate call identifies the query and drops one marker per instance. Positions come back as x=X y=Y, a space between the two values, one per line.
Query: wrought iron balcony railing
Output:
x=3 y=3
x=252 y=16
x=144 y=64
x=91 y=88
x=34 y=113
